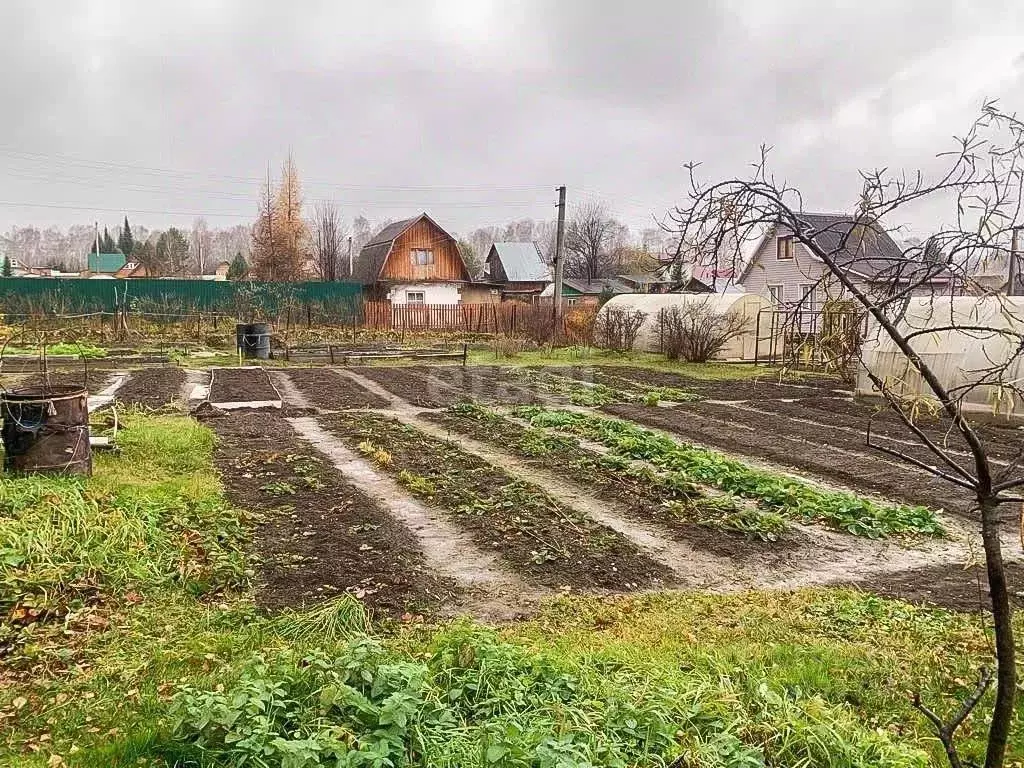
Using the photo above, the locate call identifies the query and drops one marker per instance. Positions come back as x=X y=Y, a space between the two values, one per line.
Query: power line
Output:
x=102 y=165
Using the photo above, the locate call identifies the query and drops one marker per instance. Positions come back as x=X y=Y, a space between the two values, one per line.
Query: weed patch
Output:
x=151 y=516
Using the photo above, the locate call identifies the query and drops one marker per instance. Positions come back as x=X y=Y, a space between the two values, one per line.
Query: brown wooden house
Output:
x=414 y=261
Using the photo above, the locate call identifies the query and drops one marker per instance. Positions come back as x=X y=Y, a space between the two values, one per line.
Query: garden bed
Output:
x=788 y=496
x=152 y=387
x=318 y=535
x=719 y=524
x=411 y=384
x=803 y=450
x=763 y=388
x=327 y=389
x=547 y=543
x=242 y=385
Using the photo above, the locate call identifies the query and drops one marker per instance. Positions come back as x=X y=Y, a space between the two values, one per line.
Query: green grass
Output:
x=157 y=663
x=785 y=495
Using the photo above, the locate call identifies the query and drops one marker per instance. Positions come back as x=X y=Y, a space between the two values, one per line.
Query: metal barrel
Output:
x=46 y=430
x=253 y=340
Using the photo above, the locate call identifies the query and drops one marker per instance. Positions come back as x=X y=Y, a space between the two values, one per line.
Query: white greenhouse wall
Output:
x=741 y=347
x=954 y=356
x=433 y=293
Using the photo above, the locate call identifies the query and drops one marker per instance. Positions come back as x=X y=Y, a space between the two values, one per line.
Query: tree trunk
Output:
x=1006 y=673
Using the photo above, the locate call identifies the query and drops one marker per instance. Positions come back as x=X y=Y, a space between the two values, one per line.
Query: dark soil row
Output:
x=95 y=381
x=821 y=433
x=547 y=543
x=330 y=390
x=318 y=535
x=1004 y=441
x=234 y=385
x=486 y=384
x=762 y=388
x=152 y=387
x=950 y=586
x=644 y=495
x=411 y=385
x=782 y=445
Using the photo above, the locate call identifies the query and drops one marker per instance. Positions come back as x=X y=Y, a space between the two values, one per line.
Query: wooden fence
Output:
x=506 y=318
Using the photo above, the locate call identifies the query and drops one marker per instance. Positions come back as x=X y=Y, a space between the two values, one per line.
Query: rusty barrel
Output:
x=46 y=430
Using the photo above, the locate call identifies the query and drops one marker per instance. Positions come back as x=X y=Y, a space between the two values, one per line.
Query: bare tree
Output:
x=697 y=331
x=328 y=237
x=910 y=305
x=590 y=236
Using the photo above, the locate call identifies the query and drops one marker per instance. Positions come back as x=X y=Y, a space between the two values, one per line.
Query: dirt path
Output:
x=492 y=592
x=291 y=396
x=196 y=387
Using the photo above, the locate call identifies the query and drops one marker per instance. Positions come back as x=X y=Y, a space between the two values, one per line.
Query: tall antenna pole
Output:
x=350 y=257
x=559 y=258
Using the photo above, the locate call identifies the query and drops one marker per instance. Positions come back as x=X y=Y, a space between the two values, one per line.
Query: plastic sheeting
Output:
x=958 y=357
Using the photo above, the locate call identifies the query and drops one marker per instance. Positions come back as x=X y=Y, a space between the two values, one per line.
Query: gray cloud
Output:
x=475 y=110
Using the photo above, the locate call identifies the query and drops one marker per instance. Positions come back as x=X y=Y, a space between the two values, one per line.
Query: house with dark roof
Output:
x=415 y=261
x=517 y=269
x=787 y=272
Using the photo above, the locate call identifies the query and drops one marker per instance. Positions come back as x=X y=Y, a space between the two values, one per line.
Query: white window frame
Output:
x=789 y=249
x=571 y=301
x=419 y=301
x=810 y=290
x=777 y=293
x=415 y=254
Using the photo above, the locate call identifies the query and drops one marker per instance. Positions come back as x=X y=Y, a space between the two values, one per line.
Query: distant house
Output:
x=788 y=273
x=105 y=263
x=517 y=269
x=132 y=269
x=583 y=292
x=415 y=261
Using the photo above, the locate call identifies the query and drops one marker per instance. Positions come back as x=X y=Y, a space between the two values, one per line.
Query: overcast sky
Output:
x=475 y=111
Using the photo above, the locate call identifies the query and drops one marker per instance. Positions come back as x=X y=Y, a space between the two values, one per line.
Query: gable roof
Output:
x=521 y=262
x=106 y=262
x=862 y=249
x=372 y=257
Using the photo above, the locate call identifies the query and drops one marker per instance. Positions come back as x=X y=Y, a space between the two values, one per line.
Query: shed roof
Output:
x=106 y=262
x=597 y=286
x=522 y=262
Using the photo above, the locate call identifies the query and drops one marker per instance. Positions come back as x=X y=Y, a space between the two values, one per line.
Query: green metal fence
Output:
x=246 y=300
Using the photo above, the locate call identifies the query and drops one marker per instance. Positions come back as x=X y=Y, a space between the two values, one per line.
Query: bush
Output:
x=616 y=328
x=696 y=331
x=579 y=325
x=507 y=347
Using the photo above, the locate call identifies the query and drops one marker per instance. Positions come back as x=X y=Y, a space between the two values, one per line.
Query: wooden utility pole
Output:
x=559 y=259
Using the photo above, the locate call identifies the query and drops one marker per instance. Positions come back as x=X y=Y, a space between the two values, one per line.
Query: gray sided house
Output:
x=518 y=270
x=786 y=271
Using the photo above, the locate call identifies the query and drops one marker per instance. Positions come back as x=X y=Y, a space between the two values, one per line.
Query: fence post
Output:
x=465 y=353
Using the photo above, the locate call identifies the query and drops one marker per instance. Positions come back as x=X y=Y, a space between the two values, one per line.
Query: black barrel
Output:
x=253 y=339
x=46 y=430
